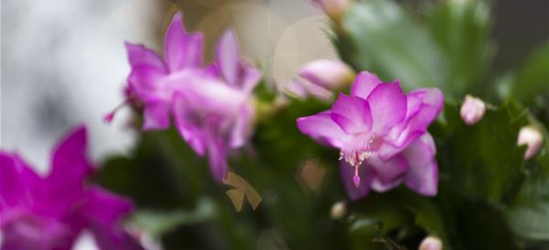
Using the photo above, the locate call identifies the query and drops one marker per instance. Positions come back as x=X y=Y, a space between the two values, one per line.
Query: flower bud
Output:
x=472 y=110
x=328 y=74
x=333 y=8
x=531 y=137
x=339 y=210
x=431 y=243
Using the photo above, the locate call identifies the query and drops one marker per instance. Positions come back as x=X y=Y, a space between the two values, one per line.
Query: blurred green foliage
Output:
x=488 y=198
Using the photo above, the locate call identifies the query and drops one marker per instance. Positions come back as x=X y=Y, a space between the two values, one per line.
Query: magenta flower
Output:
x=376 y=123
x=49 y=213
x=215 y=111
x=150 y=75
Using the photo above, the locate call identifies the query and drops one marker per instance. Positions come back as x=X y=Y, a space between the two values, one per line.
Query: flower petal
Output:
x=217 y=150
x=104 y=208
x=241 y=128
x=424 y=106
x=114 y=238
x=17 y=180
x=189 y=126
x=364 y=83
x=227 y=57
x=250 y=78
x=182 y=50
x=140 y=55
x=366 y=176
x=70 y=168
x=156 y=116
x=322 y=128
x=387 y=171
x=70 y=164
x=388 y=106
x=423 y=174
x=352 y=114
x=145 y=81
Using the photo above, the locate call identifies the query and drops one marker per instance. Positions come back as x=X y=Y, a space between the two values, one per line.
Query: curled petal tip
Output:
x=108 y=117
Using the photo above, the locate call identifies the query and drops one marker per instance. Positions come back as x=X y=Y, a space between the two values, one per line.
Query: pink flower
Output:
x=150 y=77
x=50 y=212
x=214 y=113
x=212 y=107
x=375 y=124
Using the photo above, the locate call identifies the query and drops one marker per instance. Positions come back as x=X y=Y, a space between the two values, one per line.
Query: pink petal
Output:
x=212 y=70
x=227 y=57
x=423 y=174
x=189 y=128
x=114 y=238
x=70 y=164
x=424 y=106
x=140 y=55
x=321 y=127
x=182 y=50
x=16 y=181
x=250 y=78
x=388 y=106
x=352 y=114
x=70 y=169
x=145 y=82
x=383 y=186
x=104 y=208
x=156 y=116
x=217 y=151
x=364 y=83
x=388 y=171
x=241 y=129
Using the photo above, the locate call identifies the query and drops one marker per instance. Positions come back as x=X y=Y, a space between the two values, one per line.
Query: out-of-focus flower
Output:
x=431 y=243
x=472 y=110
x=329 y=74
x=50 y=212
x=334 y=8
x=532 y=138
x=339 y=210
x=150 y=77
x=215 y=111
x=319 y=78
x=375 y=123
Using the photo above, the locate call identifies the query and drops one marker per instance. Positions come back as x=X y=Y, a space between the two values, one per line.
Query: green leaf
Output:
x=482 y=161
x=158 y=223
x=529 y=214
x=462 y=29
x=533 y=79
x=380 y=36
x=449 y=49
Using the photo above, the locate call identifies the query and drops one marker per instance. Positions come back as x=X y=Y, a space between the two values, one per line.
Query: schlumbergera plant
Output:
x=408 y=141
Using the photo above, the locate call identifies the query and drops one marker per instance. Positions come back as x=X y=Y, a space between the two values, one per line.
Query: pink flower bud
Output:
x=333 y=8
x=328 y=74
x=472 y=110
x=431 y=243
x=531 y=137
